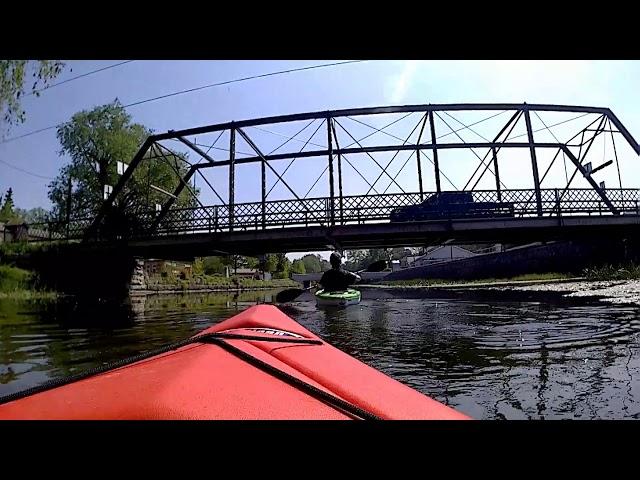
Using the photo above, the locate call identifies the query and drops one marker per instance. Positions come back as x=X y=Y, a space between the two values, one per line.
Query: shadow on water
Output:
x=489 y=354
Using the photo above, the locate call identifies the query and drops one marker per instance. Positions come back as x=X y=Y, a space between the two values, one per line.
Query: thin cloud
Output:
x=403 y=81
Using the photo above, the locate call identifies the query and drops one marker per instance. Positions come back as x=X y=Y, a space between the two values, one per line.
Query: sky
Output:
x=610 y=84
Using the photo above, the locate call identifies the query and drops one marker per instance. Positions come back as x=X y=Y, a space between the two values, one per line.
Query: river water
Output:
x=491 y=355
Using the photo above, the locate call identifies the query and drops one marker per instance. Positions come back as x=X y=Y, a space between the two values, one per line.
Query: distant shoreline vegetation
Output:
x=202 y=282
x=630 y=271
x=423 y=282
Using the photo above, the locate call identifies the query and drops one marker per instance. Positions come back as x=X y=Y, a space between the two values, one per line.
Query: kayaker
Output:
x=337 y=279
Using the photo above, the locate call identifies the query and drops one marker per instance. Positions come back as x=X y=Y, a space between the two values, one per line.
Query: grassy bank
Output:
x=431 y=282
x=220 y=282
x=629 y=271
x=20 y=284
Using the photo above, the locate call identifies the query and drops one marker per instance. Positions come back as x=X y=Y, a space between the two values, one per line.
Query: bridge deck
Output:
x=301 y=239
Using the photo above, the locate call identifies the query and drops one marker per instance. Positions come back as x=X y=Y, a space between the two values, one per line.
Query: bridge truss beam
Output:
x=334 y=150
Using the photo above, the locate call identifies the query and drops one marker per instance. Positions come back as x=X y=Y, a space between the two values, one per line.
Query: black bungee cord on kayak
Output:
x=217 y=338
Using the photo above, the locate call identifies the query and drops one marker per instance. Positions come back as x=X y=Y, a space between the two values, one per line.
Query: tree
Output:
x=298 y=266
x=312 y=263
x=235 y=261
x=282 y=261
x=271 y=263
x=213 y=265
x=6 y=212
x=283 y=266
x=376 y=254
x=34 y=215
x=361 y=259
x=355 y=259
x=252 y=262
x=198 y=266
x=96 y=141
x=13 y=76
x=324 y=265
x=399 y=253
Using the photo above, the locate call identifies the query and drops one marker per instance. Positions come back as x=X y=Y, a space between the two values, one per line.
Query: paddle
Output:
x=292 y=293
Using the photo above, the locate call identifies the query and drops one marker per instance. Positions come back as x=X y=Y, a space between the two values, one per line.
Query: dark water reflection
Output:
x=490 y=357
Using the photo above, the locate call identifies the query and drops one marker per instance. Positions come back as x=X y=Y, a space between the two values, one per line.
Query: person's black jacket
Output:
x=337 y=280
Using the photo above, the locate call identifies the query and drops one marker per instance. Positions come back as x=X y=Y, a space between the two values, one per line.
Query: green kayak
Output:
x=337 y=299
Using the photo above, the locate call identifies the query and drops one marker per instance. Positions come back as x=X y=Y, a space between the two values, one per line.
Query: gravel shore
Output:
x=614 y=291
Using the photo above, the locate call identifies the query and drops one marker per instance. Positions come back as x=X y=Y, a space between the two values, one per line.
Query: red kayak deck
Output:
x=279 y=377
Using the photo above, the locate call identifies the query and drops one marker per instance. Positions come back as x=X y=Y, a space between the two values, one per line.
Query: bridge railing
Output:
x=378 y=208
x=350 y=210
x=53 y=230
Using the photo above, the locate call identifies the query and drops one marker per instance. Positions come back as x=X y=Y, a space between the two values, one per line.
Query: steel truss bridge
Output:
x=339 y=220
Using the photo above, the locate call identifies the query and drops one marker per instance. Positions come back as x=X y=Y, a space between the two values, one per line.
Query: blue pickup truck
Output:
x=451 y=205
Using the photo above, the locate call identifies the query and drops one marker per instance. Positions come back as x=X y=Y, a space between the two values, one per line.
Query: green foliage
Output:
x=271 y=263
x=355 y=259
x=235 y=261
x=13 y=278
x=221 y=282
x=198 y=267
x=312 y=263
x=361 y=259
x=213 y=265
x=629 y=271
x=14 y=74
x=9 y=249
x=249 y=283
x=34 y=215
x=298 y=267
x=30 y=295
x=433 y=282
x=7 y=210
x=95 y=140
x=283 y=265
x=17 y=283
x=251 y=262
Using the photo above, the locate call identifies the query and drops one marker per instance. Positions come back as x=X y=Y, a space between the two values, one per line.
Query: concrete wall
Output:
x=553 y=257
x=445 y=253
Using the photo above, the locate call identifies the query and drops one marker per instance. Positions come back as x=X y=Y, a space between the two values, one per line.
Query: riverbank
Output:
x=28 y=295
x=528 y=279
x=208 y=283
x=625 y=291
x=19 y=284
x=169 y=289
x=612 y=291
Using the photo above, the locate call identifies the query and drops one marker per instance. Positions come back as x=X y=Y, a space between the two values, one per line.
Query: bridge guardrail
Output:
x=350 y=210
